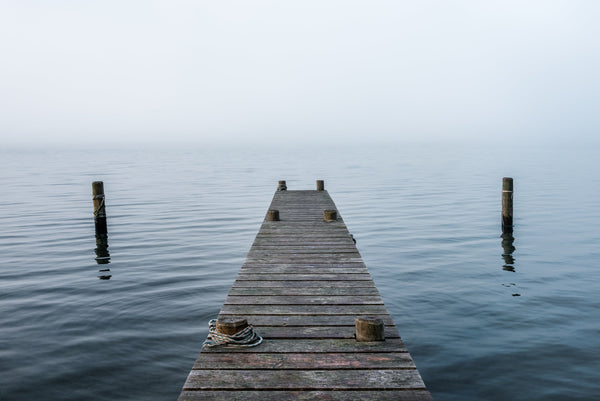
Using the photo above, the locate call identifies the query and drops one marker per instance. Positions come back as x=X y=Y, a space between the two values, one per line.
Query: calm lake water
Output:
x=485 y=318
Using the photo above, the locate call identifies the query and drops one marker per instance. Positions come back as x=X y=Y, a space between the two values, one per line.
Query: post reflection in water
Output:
x=509 y=248
x=509 y=261
x=103 y=256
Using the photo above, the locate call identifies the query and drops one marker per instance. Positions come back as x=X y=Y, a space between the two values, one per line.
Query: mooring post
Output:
x=507 y=205
x=231 y=325
x=330 y=215
x=281 y=186
x=272 y=215
x=320 y=185
x=369 y=328
x=99 y=208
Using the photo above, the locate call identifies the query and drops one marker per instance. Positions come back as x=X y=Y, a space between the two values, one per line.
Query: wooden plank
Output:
x=325 y=361
x=303 y=300
x=325 y=290
x=317 y=346
x=314 y=263
x=311 y=283
x=320 y=332
x=303 y=269
x=306 y=320
x=355 y=310
x=293 y=395
x=244 y=276
x=303 y=259
x=358 y=379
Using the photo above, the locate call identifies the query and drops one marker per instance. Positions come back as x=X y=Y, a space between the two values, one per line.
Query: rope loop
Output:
x=241 y=339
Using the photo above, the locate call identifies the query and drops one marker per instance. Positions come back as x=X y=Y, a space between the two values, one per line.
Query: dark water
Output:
x=485 y=317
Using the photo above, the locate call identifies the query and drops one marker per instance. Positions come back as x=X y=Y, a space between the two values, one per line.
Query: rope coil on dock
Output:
x=245 y=338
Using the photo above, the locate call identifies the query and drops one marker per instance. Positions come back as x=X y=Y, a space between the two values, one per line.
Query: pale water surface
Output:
x=484 y=318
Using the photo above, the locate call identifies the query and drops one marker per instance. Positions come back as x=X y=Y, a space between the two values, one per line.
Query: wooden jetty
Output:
x=302 y=286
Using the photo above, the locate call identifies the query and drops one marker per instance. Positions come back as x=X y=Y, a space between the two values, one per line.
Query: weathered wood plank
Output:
x=303 y=270
x=391 y=360
x=306 y=320
x=303 y=259
x=244 y=276
x=316 y=291
x=247 y=310
x=320 y=332
x=311 y=283
x=293 y=395
x=303 y=300
x=359 y=379
x=337 y=265
x=317 y=346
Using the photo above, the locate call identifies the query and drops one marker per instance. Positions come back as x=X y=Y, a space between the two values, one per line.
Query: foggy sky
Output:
x=223 y=70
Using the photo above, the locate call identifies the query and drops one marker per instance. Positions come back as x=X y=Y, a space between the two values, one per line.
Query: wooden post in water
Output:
x=320 y=185
x=282 y=186
x=507 y=205
x=99 y=208
x=369 y=328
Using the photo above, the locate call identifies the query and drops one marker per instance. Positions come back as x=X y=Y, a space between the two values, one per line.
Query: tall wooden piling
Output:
x=99 y=208
x=507 y=205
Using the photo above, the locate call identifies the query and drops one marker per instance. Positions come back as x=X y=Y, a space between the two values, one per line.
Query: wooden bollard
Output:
x=320 y=185
x=281 y=186
x=99 y=208
x=231 y=325
x=369 y=328
x=330 y=215
x=507 y=205
x=272 y=215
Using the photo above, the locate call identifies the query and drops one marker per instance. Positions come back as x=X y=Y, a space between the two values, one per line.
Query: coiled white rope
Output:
x=245 y=338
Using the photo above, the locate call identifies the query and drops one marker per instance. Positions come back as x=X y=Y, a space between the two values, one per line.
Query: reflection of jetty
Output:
x=302 y=287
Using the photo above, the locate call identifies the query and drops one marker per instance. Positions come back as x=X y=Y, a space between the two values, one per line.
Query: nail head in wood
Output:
x=282 y=186
x=320 y=185
x=231 y=325
x=369 y=328
x=330 y=215
x=272 y=215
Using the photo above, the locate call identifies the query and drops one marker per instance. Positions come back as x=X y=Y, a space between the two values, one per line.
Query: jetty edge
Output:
x=306 y=290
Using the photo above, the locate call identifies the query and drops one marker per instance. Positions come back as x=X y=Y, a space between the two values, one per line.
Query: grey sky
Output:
x=214 y=70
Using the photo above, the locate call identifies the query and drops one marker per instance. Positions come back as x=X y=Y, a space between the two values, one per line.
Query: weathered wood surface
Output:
x=302 y=286
x=293 y=395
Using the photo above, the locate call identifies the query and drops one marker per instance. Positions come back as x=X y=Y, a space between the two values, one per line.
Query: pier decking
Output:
x=301 y=287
